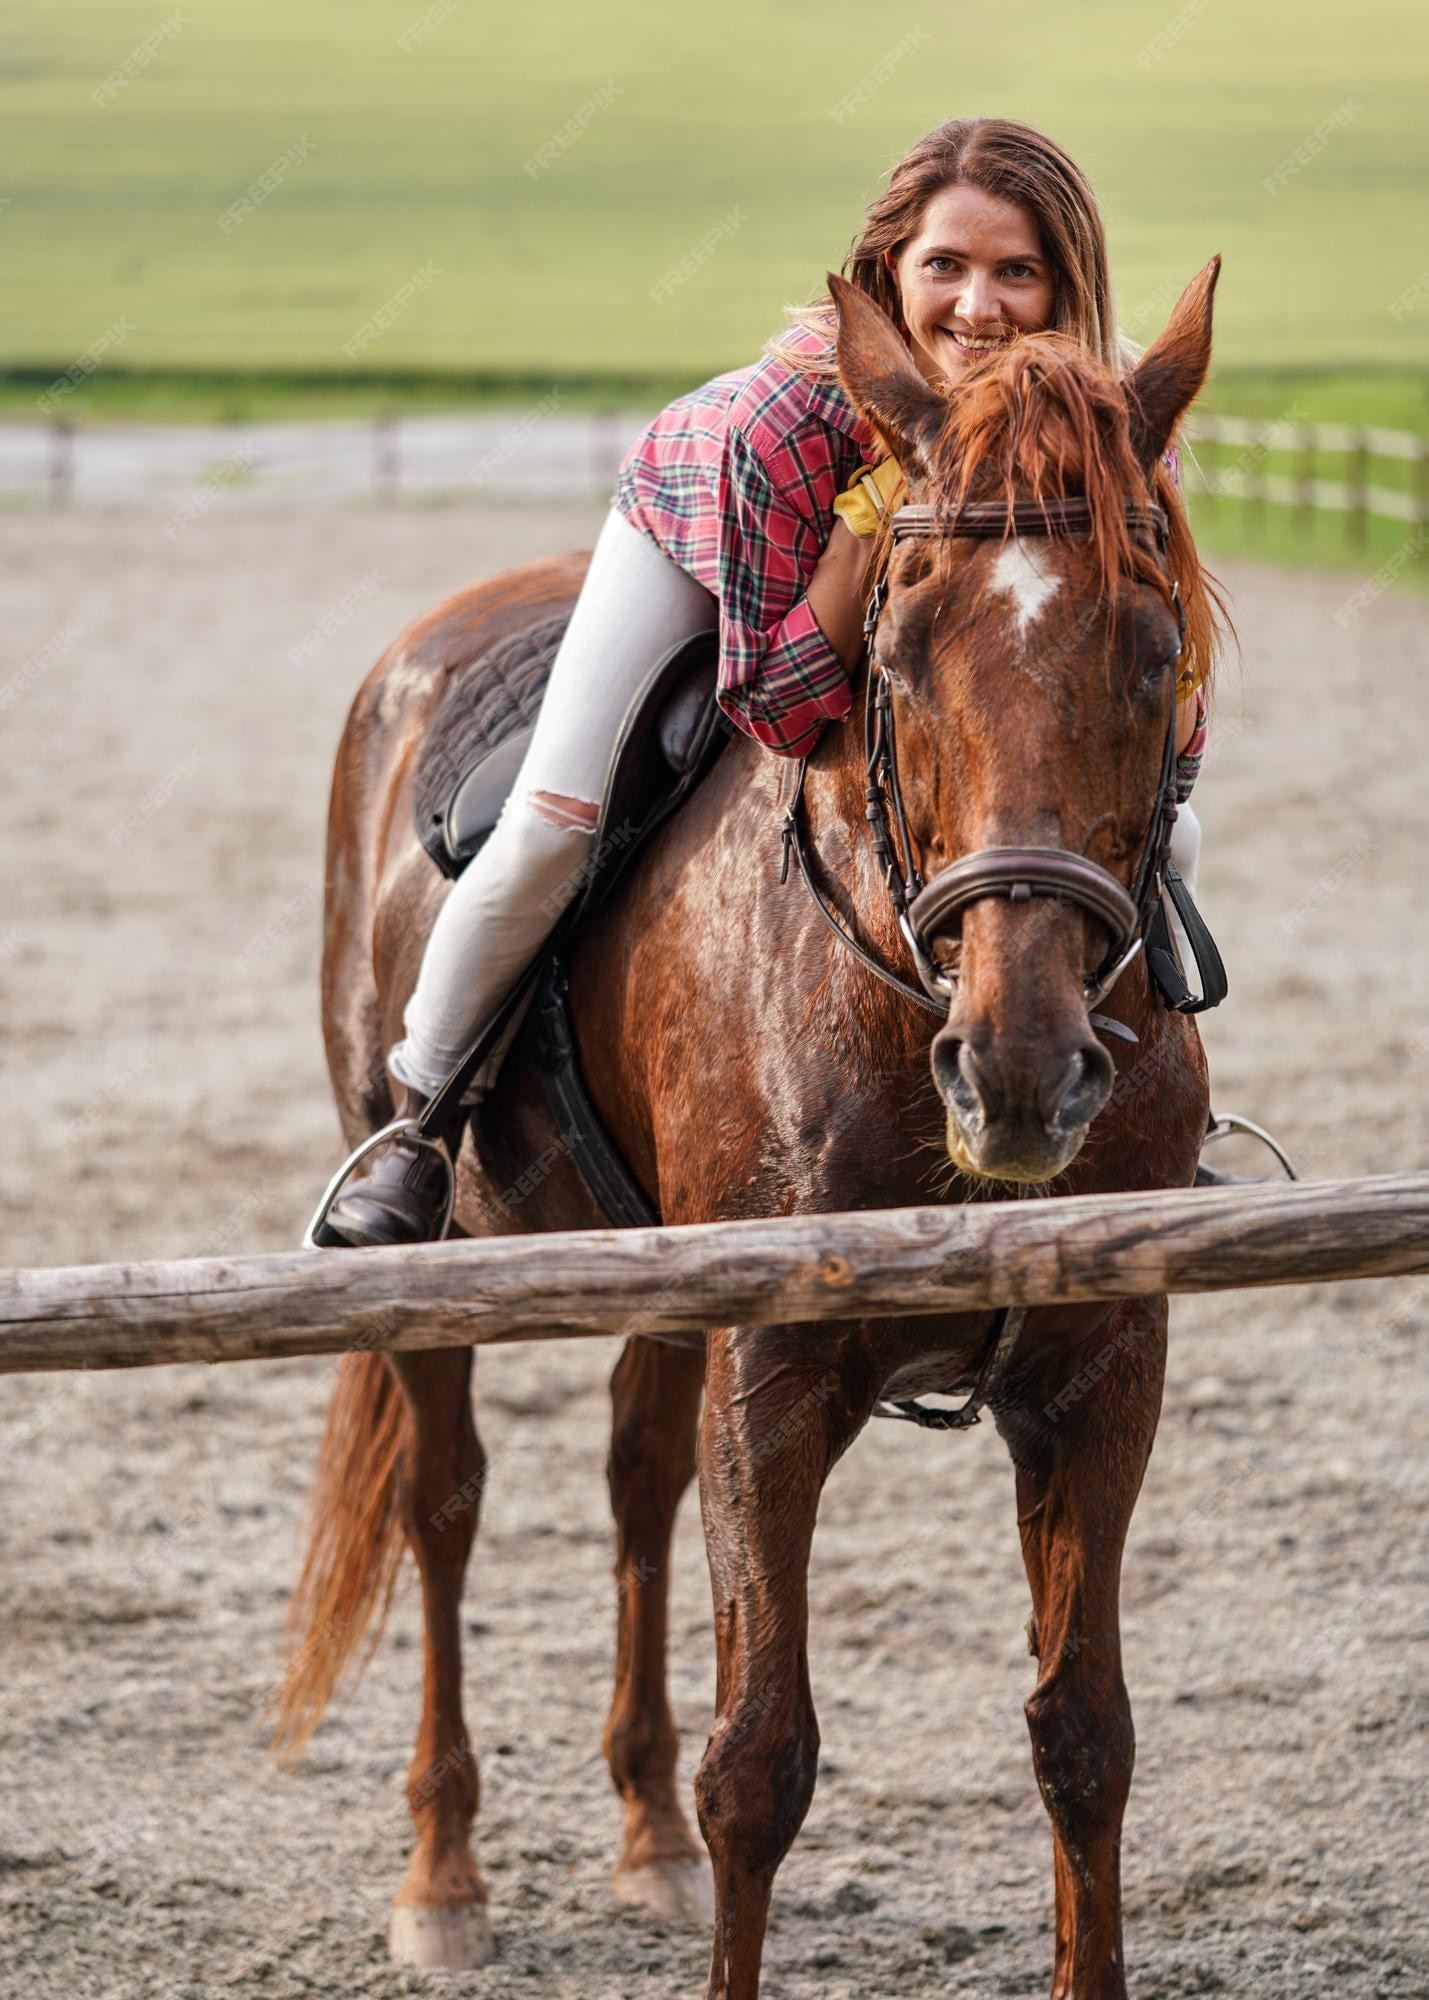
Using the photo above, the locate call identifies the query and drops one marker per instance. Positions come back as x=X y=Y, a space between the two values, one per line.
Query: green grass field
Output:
x=617 y=204
x=699 y=123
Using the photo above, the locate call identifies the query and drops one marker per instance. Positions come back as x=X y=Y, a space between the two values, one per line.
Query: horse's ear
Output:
x=882 y=380
x=1173 y=369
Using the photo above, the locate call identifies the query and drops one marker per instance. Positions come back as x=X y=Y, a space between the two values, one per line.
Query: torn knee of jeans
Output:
x=562 y=811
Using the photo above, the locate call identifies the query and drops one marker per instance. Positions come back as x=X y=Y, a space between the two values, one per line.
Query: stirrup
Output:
x=1222 y=1128
x=405 y=1126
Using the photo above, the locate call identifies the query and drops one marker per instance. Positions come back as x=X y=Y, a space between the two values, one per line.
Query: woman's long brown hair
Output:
x=1012 y=162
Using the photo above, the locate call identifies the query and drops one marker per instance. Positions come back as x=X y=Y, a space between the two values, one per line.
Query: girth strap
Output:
x=607 y=1178
x=992 y=1370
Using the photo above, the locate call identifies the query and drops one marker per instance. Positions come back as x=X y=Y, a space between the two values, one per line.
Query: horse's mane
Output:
x=1046 y=419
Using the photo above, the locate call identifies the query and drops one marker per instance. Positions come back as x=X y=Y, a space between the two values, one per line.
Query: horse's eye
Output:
x=1153 y=666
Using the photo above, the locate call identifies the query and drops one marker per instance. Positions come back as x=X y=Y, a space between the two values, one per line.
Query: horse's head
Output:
x=1032 y=680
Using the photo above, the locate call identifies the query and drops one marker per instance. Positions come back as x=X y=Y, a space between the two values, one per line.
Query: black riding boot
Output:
x=402 y=1195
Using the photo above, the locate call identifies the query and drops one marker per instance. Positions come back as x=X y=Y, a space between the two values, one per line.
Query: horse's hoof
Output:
x=680 y=1892
x=440 y=1940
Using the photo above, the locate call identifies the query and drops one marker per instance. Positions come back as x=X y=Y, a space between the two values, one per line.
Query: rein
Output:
x=927 y=911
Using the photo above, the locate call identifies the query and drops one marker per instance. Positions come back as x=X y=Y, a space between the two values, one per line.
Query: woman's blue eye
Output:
x=1012 y=270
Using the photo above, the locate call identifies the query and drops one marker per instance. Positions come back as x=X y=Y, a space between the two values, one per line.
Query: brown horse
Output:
x=748 y=1064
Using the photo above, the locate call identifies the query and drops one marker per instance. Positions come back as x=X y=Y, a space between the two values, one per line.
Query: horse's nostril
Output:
x=976 y=1080
x=962 y=1081
x=1082 y=1088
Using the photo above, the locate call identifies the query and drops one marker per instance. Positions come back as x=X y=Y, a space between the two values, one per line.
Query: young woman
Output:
x=742 y=509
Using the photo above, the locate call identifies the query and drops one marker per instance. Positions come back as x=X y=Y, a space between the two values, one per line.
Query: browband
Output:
x=990 y=519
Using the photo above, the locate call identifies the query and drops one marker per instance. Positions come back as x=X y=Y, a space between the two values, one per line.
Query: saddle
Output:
x=669 y=741
x=481 y=729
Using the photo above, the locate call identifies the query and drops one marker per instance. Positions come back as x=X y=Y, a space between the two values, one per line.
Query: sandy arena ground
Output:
x=170 y=707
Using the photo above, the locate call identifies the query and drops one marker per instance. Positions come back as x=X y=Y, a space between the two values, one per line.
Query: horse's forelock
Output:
x=1048 y=420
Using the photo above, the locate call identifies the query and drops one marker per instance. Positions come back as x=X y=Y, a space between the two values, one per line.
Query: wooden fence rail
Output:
x=1246 y=476
x=1233 y=453
x=783 y=1270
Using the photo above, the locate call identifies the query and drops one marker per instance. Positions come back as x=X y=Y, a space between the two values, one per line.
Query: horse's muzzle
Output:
x=1019 y=1116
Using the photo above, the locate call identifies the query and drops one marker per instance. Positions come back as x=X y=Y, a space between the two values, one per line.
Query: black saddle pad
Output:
x=493 y=698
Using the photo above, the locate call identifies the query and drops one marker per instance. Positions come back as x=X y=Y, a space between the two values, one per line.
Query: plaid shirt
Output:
x=736 y=482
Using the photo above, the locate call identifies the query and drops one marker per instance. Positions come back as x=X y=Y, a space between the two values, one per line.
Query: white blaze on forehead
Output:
x=1027 y=579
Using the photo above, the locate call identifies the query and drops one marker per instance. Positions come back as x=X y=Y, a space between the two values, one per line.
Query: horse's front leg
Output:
x=439 y=1919
x=1080 y=1435
x=655 y=1395
x=780 y=1407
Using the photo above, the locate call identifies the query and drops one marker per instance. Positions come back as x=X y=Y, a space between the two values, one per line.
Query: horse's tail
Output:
x=354 y=1550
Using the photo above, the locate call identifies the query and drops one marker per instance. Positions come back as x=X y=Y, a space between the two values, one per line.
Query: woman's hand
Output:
x=835 y=592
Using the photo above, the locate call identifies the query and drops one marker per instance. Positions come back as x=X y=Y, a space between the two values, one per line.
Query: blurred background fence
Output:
x=530 y=455
x=1358 y=472
x=1355 y=473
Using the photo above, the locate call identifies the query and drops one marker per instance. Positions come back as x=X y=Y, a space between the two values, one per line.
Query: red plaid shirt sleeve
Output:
x=780 y=680
x=736 y=482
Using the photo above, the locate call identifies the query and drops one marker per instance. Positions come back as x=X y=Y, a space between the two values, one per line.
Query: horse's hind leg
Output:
x=1080 y=1442
x=655 y=1393
x=439 y=1917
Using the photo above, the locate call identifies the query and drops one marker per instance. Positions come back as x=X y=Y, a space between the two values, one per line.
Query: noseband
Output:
x=928 y=911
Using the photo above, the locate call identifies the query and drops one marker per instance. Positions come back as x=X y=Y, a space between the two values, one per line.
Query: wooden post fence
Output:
x=61 y=476
x=1305 y=479
x=1357 y=484
x=789 y=1269
x=1358 y=498
x=1258 y=463
x=386 y=464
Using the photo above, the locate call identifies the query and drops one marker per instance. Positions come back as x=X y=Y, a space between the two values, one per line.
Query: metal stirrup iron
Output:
x=399 y=1127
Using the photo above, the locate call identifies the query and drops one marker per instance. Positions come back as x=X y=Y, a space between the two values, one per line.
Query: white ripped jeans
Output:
x=634 y=606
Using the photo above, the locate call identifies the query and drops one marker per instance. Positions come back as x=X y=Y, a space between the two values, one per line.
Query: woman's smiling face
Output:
x=974 y=273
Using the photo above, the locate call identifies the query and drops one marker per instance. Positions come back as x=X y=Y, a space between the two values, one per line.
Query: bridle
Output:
x=927 y=911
